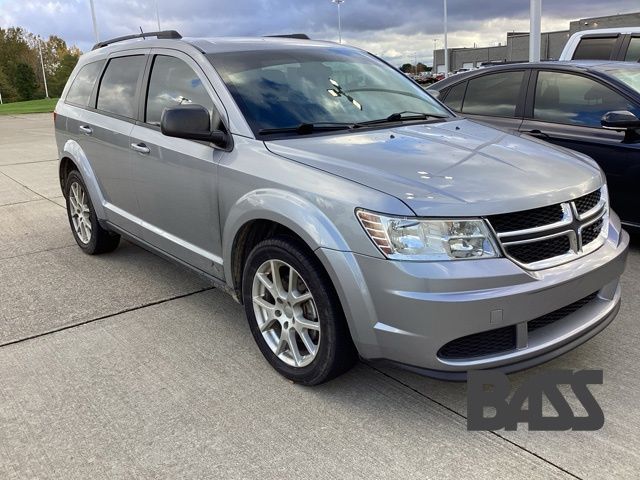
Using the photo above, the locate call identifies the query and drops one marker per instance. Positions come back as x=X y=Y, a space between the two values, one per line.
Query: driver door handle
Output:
x=536 y=133
x=86 y=129
x=140 y=148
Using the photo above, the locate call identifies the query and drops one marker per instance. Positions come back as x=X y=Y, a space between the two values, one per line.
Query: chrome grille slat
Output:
x=570 y=227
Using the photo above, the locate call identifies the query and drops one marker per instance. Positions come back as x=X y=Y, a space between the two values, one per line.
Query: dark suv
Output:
x=592 y=107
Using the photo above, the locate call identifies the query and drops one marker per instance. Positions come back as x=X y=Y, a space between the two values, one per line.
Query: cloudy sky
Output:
x=398 y=30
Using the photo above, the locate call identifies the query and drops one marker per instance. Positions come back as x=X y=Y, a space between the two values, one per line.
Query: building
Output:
x=516 y=48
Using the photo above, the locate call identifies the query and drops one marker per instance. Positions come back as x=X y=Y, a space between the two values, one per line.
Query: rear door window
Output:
x=82 y=86
x=575 y=100
x=117 y=93
x=494 y=95
x=596 y=48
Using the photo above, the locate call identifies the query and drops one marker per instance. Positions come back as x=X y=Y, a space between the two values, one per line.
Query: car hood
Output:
x=452 y=168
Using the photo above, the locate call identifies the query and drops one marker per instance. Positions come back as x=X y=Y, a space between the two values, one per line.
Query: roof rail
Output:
x=166 y=34
x=299 y=36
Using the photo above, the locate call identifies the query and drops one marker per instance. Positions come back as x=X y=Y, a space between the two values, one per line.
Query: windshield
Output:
x=287 y=88
x=630 y=76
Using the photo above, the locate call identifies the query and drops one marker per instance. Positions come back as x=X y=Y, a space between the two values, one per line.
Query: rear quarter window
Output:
x=82 y=86
x=455 y=96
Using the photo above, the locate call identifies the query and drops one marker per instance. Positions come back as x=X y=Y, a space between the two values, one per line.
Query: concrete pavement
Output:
x=124 y=365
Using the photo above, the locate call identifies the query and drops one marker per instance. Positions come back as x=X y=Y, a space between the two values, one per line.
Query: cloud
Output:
x=398 y=30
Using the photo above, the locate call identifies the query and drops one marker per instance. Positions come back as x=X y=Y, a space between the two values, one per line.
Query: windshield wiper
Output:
x=405 y=115
x=307 y=128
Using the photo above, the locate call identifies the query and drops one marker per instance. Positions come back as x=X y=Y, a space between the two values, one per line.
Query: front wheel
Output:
x=294 y=312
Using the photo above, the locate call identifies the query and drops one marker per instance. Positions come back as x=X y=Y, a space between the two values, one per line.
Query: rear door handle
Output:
x=536 y=133
x=86 y=129
x=140 y=148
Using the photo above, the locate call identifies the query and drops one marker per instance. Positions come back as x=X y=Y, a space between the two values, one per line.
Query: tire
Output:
x=86 y=230
x=334 y=350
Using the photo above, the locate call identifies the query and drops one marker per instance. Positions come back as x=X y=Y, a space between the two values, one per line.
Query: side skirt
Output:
x=217 y=282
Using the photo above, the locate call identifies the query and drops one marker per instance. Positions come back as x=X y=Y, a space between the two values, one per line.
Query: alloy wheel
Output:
x=286 y=313
x=80 y=212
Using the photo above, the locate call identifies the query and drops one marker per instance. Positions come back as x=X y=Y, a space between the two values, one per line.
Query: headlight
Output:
x=406 y=238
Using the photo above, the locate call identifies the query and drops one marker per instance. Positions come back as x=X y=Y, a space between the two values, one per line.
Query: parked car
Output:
x=564 y=103
x=345 y=208
x=621 y=44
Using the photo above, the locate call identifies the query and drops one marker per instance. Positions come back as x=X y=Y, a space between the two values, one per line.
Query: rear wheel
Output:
x=294 y=313
x=89 y=235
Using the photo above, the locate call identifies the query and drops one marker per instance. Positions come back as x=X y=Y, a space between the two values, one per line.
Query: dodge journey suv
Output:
x=349 y=211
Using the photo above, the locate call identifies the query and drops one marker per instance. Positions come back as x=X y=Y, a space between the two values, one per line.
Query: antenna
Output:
x=141 y=32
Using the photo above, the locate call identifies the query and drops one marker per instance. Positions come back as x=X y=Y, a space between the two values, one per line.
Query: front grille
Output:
x=490 y=342
x=538 y=251
x=547 y=236
x=559 y=314
x=591 y=232
x=538 y=217
x=587 y=202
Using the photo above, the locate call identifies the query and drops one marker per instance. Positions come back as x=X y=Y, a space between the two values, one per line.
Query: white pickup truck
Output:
x=621 y=44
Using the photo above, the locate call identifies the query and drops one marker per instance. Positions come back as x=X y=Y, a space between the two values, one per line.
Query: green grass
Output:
x=32 y=106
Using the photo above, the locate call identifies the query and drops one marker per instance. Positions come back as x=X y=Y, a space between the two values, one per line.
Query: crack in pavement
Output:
x=71 y=245
x=28 y=163
x=30 y=189
x=104 y=317
x=20 y=203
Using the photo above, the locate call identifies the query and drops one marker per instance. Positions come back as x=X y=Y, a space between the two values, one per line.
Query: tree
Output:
x=407 y=68
x=20 y=63
x=58 y=80
x=25 y=81
x=7 y=90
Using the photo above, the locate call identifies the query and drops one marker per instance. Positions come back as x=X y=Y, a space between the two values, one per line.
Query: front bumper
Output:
x=406 y=312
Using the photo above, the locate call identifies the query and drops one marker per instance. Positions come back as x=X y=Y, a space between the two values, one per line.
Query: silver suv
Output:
x=345 y=208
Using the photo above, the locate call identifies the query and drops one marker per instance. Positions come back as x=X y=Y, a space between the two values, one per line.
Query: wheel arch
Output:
x=74 y=158
x=264 y=213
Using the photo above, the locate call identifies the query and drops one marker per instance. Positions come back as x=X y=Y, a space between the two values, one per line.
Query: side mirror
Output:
x=622 y=120
x=192 y=122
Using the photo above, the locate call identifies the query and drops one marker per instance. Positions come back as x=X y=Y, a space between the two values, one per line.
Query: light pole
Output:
x=44 y=75
x=434 y=68
x=339 y=2
x=95 y=24
x=158 y=16
x=446 y=49
x=534 y=30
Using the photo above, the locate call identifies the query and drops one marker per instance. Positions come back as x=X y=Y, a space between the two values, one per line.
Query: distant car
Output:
x=563 y=103
x=604 y=44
